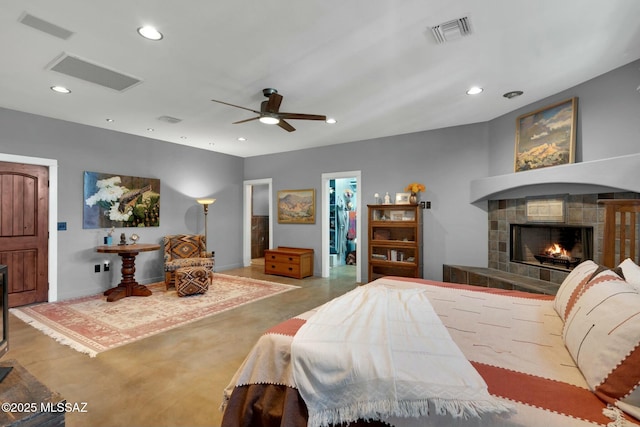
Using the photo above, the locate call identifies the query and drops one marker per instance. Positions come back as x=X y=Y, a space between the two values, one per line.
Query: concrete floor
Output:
x=175 y=378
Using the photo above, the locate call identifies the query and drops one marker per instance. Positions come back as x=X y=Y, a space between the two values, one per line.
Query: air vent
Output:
x=44 y=26
x=169 y=119
x=93 y=73
x=451 y=30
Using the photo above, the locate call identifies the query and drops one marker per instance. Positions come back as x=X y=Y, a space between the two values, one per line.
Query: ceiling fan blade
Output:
x=246 y=120
x=273 y=105
x=286 y=126
x=299 y=116
x=237 y=106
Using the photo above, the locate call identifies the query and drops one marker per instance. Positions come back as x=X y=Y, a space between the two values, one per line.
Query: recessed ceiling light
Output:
x=513 y=94
x=109 y=120
x=149 y=32
x=474 y=90
x=242 y=139
x=150 y=129
x=60 y=89
x=331 y=120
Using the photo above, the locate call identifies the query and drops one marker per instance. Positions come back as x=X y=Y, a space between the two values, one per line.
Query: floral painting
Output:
x=120 y=201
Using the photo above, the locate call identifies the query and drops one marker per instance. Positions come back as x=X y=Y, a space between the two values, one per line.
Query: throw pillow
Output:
x=602 y=333
x=185 y=247
x=631 y=272
x=570 y=287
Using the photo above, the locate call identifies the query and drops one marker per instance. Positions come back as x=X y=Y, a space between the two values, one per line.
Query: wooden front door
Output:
x=24 y=231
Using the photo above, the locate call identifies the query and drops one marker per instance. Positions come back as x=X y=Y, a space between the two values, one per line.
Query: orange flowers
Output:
x=415 y=187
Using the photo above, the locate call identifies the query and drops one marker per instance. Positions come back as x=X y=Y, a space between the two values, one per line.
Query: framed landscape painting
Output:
x=297 y=206
x=546 y=137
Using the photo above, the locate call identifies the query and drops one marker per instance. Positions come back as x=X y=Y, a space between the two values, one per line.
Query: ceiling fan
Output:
x=270 y=112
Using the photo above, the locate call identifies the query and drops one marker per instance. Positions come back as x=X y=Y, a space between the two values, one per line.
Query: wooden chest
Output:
x=290 y=262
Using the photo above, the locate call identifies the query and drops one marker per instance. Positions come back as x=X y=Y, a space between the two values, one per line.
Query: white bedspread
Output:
x=381 y=350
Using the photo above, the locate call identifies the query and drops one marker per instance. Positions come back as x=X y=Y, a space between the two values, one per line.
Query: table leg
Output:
x=128 y=285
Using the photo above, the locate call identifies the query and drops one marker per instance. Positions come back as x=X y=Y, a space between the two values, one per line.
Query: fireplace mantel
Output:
x=599 y=176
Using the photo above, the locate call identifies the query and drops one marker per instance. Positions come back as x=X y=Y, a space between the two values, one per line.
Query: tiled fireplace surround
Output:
x=583 y=184
x=581 y=210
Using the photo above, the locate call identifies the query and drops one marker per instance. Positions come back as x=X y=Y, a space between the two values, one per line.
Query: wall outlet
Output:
x=96 y=268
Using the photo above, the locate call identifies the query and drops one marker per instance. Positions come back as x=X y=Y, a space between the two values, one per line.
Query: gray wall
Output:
x=260 y=200
x=80 y=148
x=445 y=160
x=608 y=120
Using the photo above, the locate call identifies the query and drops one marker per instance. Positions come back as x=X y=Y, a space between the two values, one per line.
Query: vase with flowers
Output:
x=414 y=188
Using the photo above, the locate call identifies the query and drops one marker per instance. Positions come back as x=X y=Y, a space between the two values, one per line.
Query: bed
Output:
x=572 y=359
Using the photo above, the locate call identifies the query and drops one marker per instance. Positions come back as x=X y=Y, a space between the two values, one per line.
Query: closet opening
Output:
x=343 y=217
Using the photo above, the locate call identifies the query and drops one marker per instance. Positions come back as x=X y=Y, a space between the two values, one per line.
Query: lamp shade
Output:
x=206 y=201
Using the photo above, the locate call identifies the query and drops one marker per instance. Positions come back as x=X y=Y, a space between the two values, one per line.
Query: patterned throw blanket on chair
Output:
x=381 y=350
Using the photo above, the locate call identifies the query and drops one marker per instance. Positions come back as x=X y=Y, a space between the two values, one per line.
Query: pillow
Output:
x=631 y=272
x=577 y=278
x=185 y=246
x=602 y=333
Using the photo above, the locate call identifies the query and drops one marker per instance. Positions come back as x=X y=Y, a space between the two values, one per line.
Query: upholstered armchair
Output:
x=185 y=250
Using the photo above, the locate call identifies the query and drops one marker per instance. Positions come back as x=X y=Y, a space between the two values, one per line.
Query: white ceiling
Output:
x=372 y=64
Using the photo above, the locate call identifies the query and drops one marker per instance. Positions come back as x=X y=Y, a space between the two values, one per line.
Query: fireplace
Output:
x=556 y=246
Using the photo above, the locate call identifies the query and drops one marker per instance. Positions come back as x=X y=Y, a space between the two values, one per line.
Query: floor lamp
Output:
x=205 y=204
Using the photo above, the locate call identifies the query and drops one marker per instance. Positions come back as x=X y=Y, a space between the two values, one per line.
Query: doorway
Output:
x=259 y=222
x=341 y=227
x=45 y=287
x=257 y=212
x=342 y=221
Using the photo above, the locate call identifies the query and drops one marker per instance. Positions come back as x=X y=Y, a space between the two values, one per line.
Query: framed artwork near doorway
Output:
x=297 y=206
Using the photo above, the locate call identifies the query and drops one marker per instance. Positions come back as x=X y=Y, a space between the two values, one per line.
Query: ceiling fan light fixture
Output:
x=331 y=120
x=270 y=112
x=269 y=120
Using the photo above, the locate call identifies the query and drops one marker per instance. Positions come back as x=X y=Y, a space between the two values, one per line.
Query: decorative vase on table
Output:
x=413 y=198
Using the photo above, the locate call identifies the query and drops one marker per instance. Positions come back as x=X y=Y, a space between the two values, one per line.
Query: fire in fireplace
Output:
x=557 y=255
x=556 y=246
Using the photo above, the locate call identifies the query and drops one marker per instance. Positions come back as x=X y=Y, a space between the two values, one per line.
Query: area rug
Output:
x=92 y=325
